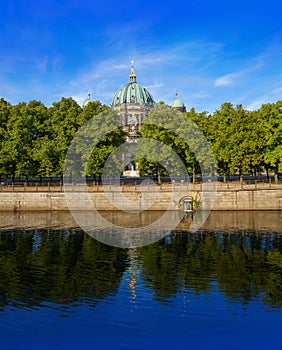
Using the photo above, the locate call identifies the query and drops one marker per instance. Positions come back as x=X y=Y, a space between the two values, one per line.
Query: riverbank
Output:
x=219 y=199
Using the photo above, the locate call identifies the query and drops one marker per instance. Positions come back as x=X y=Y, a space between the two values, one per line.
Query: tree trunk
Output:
x=267 y=173
x=276 y=178
x=158 y=176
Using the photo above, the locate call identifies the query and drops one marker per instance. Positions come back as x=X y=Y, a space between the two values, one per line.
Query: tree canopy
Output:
x=34 y=138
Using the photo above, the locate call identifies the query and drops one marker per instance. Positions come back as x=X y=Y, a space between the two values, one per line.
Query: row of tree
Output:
x=34 y=139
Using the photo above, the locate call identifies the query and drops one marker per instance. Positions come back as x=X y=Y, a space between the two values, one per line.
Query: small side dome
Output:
x=177 y=104
x=86 y=101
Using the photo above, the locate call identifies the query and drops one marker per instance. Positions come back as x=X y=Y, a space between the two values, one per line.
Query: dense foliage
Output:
x=242 y=141
x=34 y=138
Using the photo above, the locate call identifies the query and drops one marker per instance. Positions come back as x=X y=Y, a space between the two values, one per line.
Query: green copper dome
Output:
x=86 y=101
x=132 y=92
x=177 y=103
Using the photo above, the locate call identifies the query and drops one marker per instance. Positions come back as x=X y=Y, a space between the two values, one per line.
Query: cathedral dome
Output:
x=132 y=92
x=87 y=100
x=178 y=105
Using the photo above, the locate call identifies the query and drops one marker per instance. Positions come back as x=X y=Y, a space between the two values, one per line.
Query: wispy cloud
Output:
x=226 y=80
x=253 y=64
x=271 y=97
x=233 y=78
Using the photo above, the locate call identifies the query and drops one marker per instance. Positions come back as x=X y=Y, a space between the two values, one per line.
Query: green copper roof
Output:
x=132 y=92
x=177 y=103
x=86 y=101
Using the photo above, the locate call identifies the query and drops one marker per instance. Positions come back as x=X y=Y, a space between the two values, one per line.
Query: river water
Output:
x=217 y=288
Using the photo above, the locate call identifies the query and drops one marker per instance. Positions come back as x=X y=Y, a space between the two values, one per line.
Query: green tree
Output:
x=65 y=121
x=25 y=126
x=93 y=144
x=5 y=113
x=271 y=113
x=182 y=136
x=237 y=138
x=160 y=125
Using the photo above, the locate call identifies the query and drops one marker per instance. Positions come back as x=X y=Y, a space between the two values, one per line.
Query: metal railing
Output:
x=134 y=186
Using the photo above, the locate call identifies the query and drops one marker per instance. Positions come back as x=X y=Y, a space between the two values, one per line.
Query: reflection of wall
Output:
x=217 y=220
x=243 y=220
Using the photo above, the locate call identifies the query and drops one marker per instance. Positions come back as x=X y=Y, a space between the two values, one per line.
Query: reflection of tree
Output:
x=61 y=267
x=242 y=264
x=64 y=268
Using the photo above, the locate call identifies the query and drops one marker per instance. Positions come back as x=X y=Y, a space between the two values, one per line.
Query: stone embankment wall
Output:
x=255 y=199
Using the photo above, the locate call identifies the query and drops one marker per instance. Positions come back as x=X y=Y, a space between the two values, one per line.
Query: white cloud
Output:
x=155 y=85
x=271 y=97
x=252 y=65
x=226 y=80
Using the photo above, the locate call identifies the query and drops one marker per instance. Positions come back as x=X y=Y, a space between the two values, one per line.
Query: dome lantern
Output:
x=132 y=76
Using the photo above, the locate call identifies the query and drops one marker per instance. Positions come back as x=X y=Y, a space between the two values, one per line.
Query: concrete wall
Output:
x=260 y=199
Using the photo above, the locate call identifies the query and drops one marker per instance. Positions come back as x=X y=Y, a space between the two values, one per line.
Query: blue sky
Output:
x=209 y=52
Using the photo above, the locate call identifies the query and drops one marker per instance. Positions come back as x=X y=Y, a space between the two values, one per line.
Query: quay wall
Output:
x=247 y=199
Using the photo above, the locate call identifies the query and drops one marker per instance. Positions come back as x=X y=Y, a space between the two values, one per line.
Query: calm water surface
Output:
x=61 y=289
